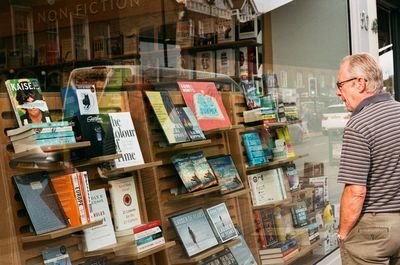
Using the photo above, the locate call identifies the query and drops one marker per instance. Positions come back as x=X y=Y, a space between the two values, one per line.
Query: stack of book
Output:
x=34 y=135
x=145 y=237
x=279 y=253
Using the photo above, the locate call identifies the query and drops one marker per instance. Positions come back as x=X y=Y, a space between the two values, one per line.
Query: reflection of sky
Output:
x=386 y=62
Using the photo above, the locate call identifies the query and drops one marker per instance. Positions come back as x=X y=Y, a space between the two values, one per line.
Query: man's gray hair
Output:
x=365 y=66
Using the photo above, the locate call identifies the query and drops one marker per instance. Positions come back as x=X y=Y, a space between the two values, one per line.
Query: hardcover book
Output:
x=254 y=152
x=56 y=256
x=205 y=61
x=190 y=123
x=27 y=101
x=299 y=214
x=226 y=173
x=242 y=253
x=268 y=225
x=251 y=94
x=98 y=130
x=79 y=101
x=202 y=169
x=226 y=62
x=126 y=141
x=221 y=222
x=293 y=178
x=102 y=235
x=195 y=231
x=40 y=202
x=266 y=187
x=167 y=117
x=184 y=167
x=205 y=102
x=124 y=202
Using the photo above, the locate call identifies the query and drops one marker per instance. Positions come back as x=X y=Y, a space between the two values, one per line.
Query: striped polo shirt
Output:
x=371 y=152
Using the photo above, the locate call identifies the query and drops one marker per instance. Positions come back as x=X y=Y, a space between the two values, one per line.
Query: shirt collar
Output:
x=384 y=96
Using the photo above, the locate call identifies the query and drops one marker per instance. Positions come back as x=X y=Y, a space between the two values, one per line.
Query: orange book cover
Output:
x=84 y=185
x=64 y=189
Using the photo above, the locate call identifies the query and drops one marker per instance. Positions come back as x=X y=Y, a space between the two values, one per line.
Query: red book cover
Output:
x=146 y=226
x=205 y=102
x=260 y=228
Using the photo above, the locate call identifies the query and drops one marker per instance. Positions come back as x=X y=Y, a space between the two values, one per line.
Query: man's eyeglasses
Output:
x=340 y=84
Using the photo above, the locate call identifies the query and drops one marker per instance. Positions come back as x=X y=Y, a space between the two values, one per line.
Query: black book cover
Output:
x=98 y=130
x=267 y=217
x=40 y=202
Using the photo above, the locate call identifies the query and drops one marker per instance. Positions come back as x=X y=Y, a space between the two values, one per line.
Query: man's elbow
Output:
x=357 y=190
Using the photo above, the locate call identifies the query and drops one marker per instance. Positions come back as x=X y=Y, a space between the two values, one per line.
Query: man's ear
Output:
x=362 y=85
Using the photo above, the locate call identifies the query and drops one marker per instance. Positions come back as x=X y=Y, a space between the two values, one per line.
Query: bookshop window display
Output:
x=156 y=132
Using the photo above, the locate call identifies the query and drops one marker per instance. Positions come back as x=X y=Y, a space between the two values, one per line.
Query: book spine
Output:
x=146 y=233
x=147 y=226
x=48 y=124
x=56 y=141
x=260 y=228
x=79 y=198
x=84 y=185
x=50 y=135
x=151 y=244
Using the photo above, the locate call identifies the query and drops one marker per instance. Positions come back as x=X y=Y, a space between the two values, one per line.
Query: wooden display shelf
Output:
x=207 y=253
x=144 y=254
x=114 y=172
x=194 y=194
x=232 y=127
x=274 y=163
x=44 y=152
x=58 y=233
x=303 y=251
x=109 y=249
x=97 y=160
x=176 y=147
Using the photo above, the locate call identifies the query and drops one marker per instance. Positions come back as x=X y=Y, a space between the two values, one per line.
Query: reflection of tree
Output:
x=388 y=84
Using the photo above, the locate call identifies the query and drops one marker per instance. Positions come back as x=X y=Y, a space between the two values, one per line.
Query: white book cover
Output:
x=124 y=202
x=222 y=222
x=266 y=187
x=102 y=235
x=226 y=62
x=79 y=198
x=126 y=141
x=87 y=101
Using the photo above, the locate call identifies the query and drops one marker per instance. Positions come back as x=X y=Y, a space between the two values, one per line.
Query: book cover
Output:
x=225 y=30
x=242 y=253
x=41 y=202
x=279 y=248
x=87 y=100
x=254 y=151
x=126 y=141
x=251 y=94
x=195 y=231
x=265 y=187
x=102 y=260
x=202 y=169
x=222 y=222
x=64 y=188
x=299 y=214
x=268 y=223
x=167 y=117
x=293 y=178
x=27 y=101
x=83 y=178
x=79 y=198
x=260 y=230
x=184 y=167
x=206 y=104
x=32 y=135
x=98 y=130
x=320 y=190
x=37 y=127
x=185 y=33
x=226 y=62
x=227 y=175
x=205 y=61
x=243 y=67
x=102 y=235
x=190 y=123
x=69 y=99
x=56 y=256
x=124 y=202
x=226 y=258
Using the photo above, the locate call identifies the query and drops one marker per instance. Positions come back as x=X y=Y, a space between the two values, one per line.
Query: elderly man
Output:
x=369 y=231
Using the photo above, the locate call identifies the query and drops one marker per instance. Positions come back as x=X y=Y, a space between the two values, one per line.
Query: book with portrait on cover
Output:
x=205 y=102
x=195 y=231
x=27 y=101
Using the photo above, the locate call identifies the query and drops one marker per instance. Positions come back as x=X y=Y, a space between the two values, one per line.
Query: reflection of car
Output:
x=296 y=133
x=335 y=117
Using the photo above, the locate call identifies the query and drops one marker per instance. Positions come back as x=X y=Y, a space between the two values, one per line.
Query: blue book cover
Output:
x=184 y=167
x=190 y=123
x=40 y=202
x=242 y=253
x=202 y=169
x=195 y=231
x=255 y=153
x=56 y=256
x=226 y=173
x=70 y=102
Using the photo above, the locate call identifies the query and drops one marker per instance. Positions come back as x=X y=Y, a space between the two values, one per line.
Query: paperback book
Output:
x=226 y=173
x=56 y=256
x=205 y=102
x=124 y=202
x=40 y=202
x=293 y=178
x=242 y=253
x=221 y=222
x=299 y=214
x=190 y=123
x=184 y=166
x=27 y=101
x=202 y=169
x=254 y=151
x=195 y=231
x=167 y=117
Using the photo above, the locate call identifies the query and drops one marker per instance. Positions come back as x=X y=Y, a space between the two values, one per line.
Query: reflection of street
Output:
x=317 y=148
